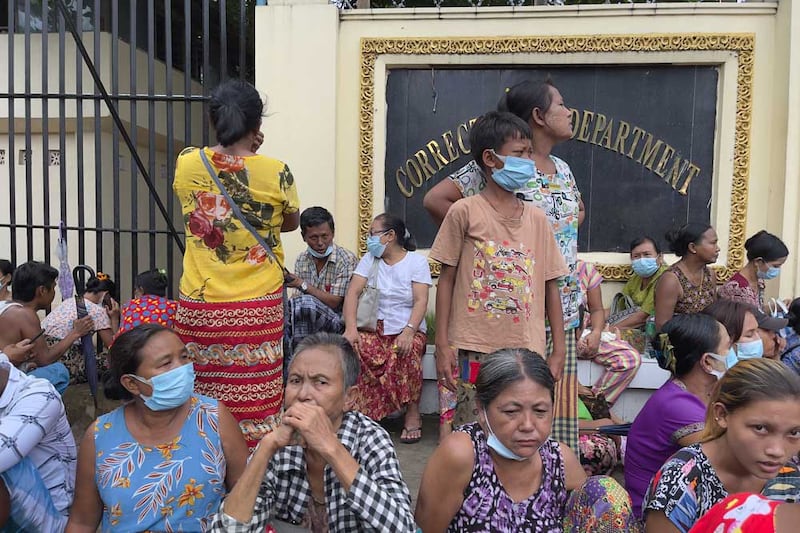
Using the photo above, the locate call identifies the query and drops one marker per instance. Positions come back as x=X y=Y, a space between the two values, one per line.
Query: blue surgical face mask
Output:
x=494 y=443
x=375 y=246
x=322 y=255
x=729 y=360
x=771 y=272
x=170 y=389
x=750 y=350
x=515 y=174
x=645 y=266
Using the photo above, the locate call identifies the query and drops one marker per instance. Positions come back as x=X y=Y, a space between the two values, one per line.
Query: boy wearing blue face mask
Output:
x=321 y=276
x=500 y=264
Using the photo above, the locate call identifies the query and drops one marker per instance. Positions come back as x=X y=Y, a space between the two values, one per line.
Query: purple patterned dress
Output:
x=488 y=508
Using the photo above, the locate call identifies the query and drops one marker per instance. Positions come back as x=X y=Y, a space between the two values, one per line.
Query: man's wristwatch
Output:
x=411 y=327
x=304 y=287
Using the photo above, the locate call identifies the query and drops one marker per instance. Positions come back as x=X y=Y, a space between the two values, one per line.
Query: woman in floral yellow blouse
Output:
x=165 y=459
x=230 y=310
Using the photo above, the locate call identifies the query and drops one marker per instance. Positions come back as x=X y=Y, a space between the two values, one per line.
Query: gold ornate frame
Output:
x=742 y=44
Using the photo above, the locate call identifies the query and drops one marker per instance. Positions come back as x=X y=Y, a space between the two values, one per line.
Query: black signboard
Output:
x=642 y=149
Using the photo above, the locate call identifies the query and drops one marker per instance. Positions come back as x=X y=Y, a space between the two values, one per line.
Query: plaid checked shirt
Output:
x=334 y=276
x=378 y=499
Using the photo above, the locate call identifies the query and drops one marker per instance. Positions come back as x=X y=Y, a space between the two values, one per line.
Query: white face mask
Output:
x=729 y=361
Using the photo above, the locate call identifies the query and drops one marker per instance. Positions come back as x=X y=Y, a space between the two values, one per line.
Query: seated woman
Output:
x=648 y=265
x=504 y=472
x=695 y=349
x=150 y=303
x=163 y=460
x=103 y=310
x=791 y=354
x=689 y=285
x=391 y=356
x=620 y=359
x=752 y=430
x=766 y=253
x=740 y=322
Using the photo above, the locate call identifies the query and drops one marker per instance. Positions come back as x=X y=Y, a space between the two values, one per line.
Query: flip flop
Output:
x=410 y=440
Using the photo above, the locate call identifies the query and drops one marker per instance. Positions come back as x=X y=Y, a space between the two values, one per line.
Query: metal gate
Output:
x=99 y=96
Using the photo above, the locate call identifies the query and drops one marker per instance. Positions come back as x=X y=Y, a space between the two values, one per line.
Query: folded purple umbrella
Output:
x=79 y=276
x=65 y=282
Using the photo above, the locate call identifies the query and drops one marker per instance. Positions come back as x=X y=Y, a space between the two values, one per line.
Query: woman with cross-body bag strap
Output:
x=230 y=310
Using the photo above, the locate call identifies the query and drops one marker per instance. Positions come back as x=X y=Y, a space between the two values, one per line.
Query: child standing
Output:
x=500 y=264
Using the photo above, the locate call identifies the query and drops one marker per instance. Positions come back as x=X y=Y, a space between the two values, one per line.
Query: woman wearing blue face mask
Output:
x=165 y=459
x=740 y=322
x=391 y=355
x=696 y=350
x=504 y=472
x=647 y=264
x=766 y=253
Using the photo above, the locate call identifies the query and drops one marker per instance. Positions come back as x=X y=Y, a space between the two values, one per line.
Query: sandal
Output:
x=405 y=439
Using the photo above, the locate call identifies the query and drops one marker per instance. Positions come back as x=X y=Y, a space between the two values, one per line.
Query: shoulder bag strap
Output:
x=235 y=208
x=372 y=278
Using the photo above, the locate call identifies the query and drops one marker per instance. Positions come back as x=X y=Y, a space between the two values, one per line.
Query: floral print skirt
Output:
x=388 y=380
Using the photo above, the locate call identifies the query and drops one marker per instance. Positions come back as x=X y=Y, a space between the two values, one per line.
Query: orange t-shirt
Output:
x=501 y=267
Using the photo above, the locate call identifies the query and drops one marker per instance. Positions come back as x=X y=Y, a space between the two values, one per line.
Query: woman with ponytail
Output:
x=230 y=310
x=752 y=430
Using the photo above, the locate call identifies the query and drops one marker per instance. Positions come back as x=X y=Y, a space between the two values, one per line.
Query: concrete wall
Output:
x=309 y=64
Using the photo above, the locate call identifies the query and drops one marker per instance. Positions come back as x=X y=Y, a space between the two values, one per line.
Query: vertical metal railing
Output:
x=120 y=219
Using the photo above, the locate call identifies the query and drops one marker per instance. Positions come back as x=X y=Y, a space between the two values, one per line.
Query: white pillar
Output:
x=296 y=57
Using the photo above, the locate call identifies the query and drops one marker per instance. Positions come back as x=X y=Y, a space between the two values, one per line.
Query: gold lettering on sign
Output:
x=605 y=140
x=637 y=134
x=649 y=151
x=447 y=139
x=576 y=120
x=622 y=134
x=661 y=167
x=422 y=159
x=598 y=126
x=401 y=183
x=694 y=170
x=433 y=146
x=460 y=139
x=583 y=135
x=411 y=166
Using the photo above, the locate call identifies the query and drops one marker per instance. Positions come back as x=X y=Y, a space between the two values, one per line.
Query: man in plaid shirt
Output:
x=325 y=468
x=320 y=279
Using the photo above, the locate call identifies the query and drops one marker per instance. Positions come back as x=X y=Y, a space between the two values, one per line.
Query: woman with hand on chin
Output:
x=752 y=431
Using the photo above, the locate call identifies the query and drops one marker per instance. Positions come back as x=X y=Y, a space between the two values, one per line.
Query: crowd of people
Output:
x=254 y=400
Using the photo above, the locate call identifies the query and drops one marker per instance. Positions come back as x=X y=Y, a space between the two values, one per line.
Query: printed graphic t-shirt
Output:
x=502 y=265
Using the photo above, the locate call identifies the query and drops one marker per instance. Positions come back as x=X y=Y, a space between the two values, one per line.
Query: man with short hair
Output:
x=37 y=450
x=321 y=275
x=34 y=289
x=326 y=468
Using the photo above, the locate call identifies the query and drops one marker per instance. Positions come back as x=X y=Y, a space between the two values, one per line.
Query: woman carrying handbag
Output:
x=235 y=206
x=390 y=340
